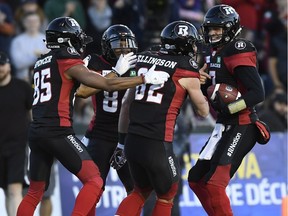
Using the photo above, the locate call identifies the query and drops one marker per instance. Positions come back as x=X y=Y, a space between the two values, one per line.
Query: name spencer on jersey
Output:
x=156 y=61
x=43 y=61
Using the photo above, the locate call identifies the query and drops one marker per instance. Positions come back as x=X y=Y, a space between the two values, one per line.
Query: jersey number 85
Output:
x=42 y=88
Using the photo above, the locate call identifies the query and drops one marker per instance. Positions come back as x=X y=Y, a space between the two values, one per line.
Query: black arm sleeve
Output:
x=251 y=80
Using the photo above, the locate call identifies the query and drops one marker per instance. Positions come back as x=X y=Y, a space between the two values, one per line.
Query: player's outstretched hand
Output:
x=124 y=63
x=155 y=77
x=118 y=158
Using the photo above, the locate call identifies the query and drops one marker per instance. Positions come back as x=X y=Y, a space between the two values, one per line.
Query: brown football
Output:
x=227 y=92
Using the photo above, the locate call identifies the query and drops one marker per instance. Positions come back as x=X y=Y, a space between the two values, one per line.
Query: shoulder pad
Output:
x=239 y=45
x=72 y=51
x=187 y=63
x=194 y=64
x=68 y=53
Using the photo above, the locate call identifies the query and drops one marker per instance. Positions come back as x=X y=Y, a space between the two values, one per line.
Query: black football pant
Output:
x=209 y=178
x=101 y=151
x=153 y=165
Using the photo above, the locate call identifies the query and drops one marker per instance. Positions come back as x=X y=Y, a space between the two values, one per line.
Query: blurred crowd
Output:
x=23 y=23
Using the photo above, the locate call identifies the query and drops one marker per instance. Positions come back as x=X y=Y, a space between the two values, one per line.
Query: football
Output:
x=227 y=92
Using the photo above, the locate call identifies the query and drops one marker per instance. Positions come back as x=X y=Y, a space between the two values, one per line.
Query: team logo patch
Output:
x=193 y=63
x=227 y=10
x=240 y=45
x=73 y=22
x=181 y=30
x=72 y=51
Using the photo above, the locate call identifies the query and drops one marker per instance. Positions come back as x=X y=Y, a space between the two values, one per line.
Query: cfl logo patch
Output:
x=240 y=45
x=182 y=30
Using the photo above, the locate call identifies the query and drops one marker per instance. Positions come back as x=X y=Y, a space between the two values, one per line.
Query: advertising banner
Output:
x=258 y=188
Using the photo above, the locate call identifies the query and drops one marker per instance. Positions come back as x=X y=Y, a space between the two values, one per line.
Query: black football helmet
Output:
x=65 y=31
x=118 y=37
x=223 y=16
x=179 y=37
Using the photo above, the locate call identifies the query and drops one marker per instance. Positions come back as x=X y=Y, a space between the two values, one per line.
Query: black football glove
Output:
x=118 y=158
x=219 y=105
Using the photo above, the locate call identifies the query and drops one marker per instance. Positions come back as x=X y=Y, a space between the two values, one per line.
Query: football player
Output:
x=119 y=47
x=232 y=61
x=153 y=112
x=51 y=133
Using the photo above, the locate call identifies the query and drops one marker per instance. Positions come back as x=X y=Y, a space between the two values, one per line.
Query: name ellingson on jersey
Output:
x=156 y=61
x=43 y=61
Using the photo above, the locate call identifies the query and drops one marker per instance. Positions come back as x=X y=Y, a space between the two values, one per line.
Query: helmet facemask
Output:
x=227 y=35
x=80 y=41
x=116 y=40
x=120 y=46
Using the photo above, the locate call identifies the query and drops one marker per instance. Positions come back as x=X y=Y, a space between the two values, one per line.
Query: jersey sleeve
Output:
x=187 y=68
x=240 y=53
x=183 y=73
x=65 y=64
x=68 y=57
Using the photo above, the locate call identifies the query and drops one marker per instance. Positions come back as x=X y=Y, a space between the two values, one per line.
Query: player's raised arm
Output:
x=92 y=79
x=124 y=63
x=85 y=91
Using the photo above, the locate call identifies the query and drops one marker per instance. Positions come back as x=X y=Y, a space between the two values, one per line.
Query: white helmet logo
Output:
x=182 y=30
x=228 y=10
x=73 y=22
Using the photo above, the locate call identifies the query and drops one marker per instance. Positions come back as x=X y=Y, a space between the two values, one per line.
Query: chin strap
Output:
x=238 y=32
